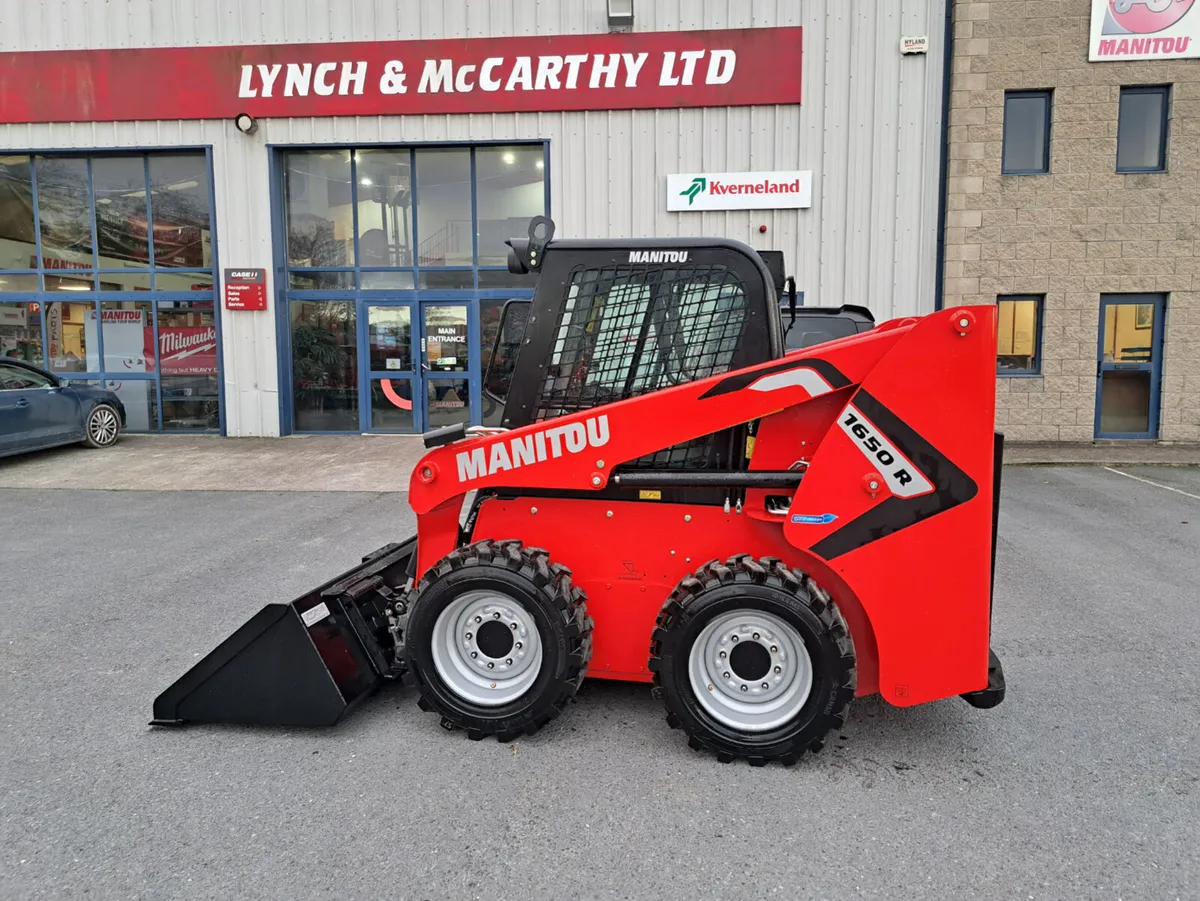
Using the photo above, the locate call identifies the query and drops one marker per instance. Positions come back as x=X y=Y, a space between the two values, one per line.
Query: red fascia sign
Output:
x=245 y=289
x=649 y=70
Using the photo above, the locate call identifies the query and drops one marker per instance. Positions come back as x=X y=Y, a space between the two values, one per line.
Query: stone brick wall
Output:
x=1081 y=231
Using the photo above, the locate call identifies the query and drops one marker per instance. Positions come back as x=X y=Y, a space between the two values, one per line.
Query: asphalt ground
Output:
x=1084 y=784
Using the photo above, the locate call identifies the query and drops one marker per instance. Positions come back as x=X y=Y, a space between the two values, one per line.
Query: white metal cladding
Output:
x=869 y=128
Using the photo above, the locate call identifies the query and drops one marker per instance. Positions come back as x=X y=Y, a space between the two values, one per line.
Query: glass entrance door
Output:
x=1128 y=365
x=446 y=363
x=391 y=372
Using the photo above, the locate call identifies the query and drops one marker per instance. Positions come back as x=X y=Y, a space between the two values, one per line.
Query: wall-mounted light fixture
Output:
x=620 y=15
x=246 y=124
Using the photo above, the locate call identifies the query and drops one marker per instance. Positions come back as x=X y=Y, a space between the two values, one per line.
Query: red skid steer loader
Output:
x=671 y=498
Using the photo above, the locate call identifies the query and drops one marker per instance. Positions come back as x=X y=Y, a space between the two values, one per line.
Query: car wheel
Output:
x=102 y=428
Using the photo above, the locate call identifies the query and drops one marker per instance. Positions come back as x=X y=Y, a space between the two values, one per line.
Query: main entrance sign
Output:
x=651 y=70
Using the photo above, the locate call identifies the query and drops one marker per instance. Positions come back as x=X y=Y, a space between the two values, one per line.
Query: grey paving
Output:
x=1085 y=783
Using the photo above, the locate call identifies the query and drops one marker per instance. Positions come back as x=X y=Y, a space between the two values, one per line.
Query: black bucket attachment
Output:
x=307 y=663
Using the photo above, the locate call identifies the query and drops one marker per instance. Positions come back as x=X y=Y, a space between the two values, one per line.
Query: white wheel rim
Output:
x=471 y=656
x=102 y=427
x=761 y=688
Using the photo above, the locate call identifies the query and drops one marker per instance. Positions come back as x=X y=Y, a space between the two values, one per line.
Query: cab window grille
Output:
x=625 y=331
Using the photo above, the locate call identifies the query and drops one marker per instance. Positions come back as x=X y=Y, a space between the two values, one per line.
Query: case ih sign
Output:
x=245 y=289
x=479 y=75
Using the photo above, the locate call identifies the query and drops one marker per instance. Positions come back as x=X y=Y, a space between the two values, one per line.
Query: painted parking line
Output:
x=1155 y=484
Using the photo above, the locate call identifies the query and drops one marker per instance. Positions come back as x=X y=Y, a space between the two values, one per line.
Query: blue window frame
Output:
x=394 y=269
x=107 y=275
x=1129 y=365
x=1019 y=335
x=1142 y=128
x=1026 y=147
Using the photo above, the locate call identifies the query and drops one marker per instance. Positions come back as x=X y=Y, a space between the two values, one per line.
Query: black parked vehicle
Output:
x=39 y=410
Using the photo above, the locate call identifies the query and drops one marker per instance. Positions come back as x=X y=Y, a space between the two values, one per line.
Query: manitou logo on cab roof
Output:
x=538 y=447
x=658 y=256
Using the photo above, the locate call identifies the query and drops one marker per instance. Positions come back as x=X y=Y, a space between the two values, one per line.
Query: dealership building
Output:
x=254 y=221
x=257 y=220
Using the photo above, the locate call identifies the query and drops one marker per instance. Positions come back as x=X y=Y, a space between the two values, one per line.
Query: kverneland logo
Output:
x=714 y=187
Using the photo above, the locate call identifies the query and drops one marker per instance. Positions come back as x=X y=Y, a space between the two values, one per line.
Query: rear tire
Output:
x=753 y=661
x=498 y=639
x=102 y=427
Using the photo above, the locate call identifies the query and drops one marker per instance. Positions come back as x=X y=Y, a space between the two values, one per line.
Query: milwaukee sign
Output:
x=739 y=191
x=648 y=70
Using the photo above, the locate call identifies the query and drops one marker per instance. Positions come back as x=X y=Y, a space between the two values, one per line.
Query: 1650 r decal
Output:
x=902 y=477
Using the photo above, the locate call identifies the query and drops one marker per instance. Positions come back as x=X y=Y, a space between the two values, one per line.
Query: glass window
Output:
x=1026 y=133
x=321 y=281
x=444 y=343
x=141 y=402
x=448 y=402
x=389 y=338
x=320 y=209
x=124 y=281
x=170 y=280
x=444 y=208
x=77 y=282
x=122 y=235
x=18 y=249
x=510 y=190
x=396 y=280
x=1142 y=130
x=384 y=207
x=392 y=405
x=179 y=206
x=187 y=361
x=64 y=212
x=71 y=333
x=128 y=331
x=1018 y=335
x=446 y=279
x=21 y=332
x=10 y=281
x=502 y=278
x=16 y=378
x=324 y=365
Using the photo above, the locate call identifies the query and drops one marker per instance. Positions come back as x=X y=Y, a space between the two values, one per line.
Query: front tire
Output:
x=498 y=639
x=103 y=427
x=753 y=660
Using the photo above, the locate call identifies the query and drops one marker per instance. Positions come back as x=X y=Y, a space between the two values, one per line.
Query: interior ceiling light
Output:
x=365 y=181
x=509 y=158
x=540 y=164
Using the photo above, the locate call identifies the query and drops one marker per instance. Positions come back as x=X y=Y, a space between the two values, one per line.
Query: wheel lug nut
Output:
x=744 y=688
x=518 y=645
x=766 y=686
x=468 y=636
x=733 y=638
x=479 y=619
x=726 y=675
x=491 y=666
x=722 y=653
x=509 y=661
x=474 y=654
x=779 y=669
x=495 y=616
x=514 y=627
x=756 y=636
x=774 y=650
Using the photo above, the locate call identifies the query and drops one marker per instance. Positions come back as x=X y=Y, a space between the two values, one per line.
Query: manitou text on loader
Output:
x=675 y=496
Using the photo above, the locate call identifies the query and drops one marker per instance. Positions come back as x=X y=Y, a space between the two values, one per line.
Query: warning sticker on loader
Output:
x=315 y=615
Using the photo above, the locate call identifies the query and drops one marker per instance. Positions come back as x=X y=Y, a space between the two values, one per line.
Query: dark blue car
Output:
x=40 y=410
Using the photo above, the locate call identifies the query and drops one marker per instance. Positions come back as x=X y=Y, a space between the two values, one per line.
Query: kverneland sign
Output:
x=739 y=191
x=751 y=66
